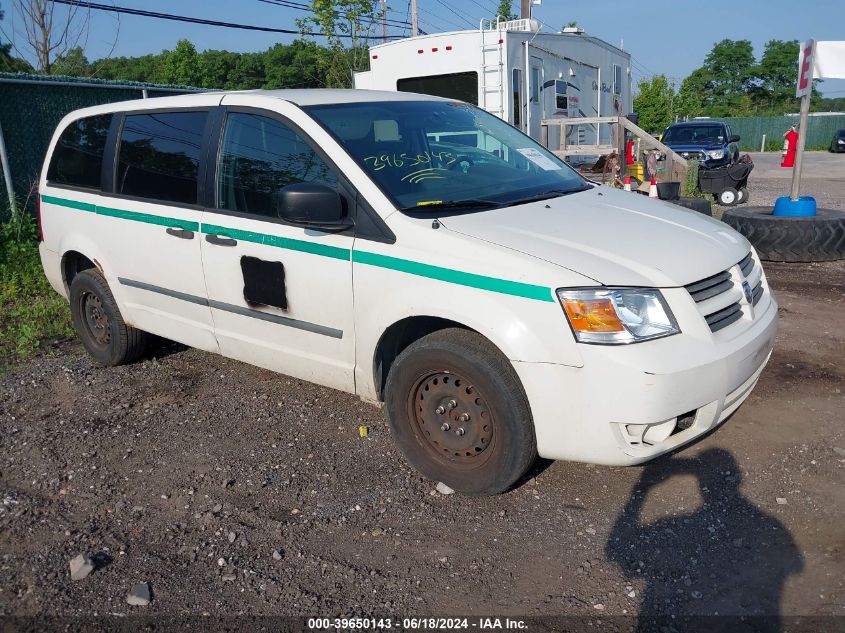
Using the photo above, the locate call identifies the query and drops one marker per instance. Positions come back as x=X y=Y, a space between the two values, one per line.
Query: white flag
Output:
x=829 y=62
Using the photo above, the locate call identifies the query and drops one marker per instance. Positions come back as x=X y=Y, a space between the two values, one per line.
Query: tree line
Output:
x=730 y=83
x=300 y=64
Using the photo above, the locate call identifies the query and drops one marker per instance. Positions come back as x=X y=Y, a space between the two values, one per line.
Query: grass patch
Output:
x=30 y=310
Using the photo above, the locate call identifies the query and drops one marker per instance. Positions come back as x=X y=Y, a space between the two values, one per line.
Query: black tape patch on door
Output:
x=264 y=282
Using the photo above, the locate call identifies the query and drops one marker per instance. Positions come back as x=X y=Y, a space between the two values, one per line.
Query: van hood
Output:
x=611 y=236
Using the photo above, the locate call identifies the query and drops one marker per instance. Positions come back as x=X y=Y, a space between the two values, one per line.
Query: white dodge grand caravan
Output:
x=415 y=251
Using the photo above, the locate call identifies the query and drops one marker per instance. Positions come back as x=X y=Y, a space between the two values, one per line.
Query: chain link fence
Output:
x=820 y=131
x=32 y=105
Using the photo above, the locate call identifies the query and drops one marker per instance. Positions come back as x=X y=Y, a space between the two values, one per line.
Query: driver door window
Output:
x=259 y=156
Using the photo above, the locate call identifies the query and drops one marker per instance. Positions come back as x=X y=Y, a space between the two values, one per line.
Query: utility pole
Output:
x=525 y=9
x=384 y=21
x=415 y=27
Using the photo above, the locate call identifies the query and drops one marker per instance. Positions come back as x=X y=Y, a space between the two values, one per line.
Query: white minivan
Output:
x=415 y=251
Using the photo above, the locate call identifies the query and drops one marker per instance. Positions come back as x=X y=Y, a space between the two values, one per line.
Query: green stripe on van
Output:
x=135 y=216
x=279 y=242
x=148 y=218
x=70 y=204
x=493 y=284
x=449 y=275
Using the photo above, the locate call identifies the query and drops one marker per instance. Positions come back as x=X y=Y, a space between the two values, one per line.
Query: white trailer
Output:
x=514 y=71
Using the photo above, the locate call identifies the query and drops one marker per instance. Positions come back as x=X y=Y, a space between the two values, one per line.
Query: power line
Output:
x=304 y=7
x=190 y=20
x=439 y=18
x=461 y=16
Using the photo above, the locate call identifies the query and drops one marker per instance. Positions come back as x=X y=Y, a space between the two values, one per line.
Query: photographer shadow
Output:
x=726 y=558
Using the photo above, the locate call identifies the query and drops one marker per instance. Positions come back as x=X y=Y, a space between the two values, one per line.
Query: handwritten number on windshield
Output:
x=438 y=159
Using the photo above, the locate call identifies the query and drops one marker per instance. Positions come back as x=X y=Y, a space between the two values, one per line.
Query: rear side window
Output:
x=259 y=157
x=78 y=157
x=159 y=156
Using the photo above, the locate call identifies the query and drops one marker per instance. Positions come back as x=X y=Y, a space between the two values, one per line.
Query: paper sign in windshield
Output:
x=543 y=162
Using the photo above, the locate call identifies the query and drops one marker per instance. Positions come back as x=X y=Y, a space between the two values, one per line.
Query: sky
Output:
x=663 y=36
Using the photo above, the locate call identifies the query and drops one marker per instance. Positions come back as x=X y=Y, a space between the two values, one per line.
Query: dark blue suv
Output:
x=710 y=142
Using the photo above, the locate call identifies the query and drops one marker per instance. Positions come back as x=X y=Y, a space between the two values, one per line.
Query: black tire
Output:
x=728 y=198
x=743 y=195
x=702 y=205
x=814 y=238
x=461 y=373
x=97 y=320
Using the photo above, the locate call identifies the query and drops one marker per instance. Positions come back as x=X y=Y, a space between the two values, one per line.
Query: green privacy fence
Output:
x=32 y=105
x=820 y=130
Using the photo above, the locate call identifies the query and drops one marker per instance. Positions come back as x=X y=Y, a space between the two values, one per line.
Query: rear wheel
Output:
x=459 y=413
x=743 y=195
x=98 y=321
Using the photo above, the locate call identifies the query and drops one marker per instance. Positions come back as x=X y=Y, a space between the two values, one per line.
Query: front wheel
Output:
x=98 y=321
x=459 y=413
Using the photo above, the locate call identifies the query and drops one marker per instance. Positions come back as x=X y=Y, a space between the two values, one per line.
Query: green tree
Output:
x=730 y=66
x=9 y=64
x=215 y=68
x=296 y=65
x=181 y=65
x=693 y=94
x=73 y=63
x=342 y=22
x=655 y=103
x=505 y=11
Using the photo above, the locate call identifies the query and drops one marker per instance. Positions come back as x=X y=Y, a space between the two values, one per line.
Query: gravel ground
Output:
x=233 y=491
x=823 y=178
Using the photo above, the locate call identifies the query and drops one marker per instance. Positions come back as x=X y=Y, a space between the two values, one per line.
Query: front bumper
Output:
x=680 y=387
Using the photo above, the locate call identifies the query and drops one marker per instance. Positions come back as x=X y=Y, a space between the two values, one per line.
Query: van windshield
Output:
x=446 y=154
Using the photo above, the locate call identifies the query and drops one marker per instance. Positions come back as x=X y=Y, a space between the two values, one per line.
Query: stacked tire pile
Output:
x=811 y=238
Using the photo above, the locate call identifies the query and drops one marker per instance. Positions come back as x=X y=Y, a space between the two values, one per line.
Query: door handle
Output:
x=220 y=241
x=185 y=234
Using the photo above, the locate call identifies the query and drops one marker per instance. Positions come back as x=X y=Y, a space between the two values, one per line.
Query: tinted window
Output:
x=78 y=157
x=261 y=155
x=695 y=134
x=517 y=97
x=159 y=156
x=462 y=86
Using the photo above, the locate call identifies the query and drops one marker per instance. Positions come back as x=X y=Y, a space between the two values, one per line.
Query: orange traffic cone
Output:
x=652 y=189
x=627 y=183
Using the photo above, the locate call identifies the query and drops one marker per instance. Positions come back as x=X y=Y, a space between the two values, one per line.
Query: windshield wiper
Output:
x=470 y=203
x=552 y=193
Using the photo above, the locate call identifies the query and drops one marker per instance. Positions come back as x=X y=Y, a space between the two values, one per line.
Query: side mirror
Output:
x=734 y=138
x=312 y=204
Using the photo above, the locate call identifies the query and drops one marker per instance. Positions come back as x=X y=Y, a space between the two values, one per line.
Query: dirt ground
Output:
x=232 y=490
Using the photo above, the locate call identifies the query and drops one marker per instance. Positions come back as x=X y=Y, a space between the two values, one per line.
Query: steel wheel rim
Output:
x=95 y=319
x=452 y=419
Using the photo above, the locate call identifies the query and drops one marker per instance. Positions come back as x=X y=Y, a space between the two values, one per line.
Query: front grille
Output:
x=719 y=298
x=723 y=318
x=710 y=287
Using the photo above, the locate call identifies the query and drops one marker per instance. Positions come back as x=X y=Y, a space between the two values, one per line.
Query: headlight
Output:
x=615 y=316
x=716 y=153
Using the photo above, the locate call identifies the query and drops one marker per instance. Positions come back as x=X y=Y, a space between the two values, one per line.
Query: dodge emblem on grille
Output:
x=746 y=288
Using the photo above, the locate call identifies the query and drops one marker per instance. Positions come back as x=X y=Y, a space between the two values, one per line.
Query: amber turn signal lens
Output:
x=592 y=316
